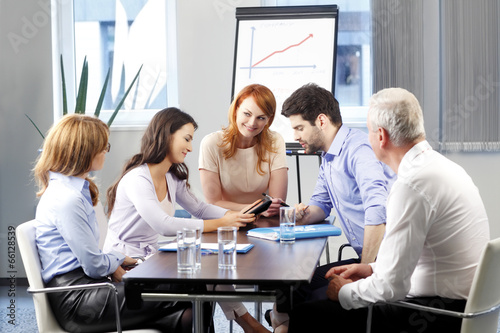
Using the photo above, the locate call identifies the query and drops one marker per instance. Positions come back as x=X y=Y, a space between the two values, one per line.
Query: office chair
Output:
x=45 y=319
x=483 y=304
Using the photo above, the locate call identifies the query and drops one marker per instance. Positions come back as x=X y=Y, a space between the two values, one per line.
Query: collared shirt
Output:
x=138 y=217
x=436 y=229
x=355 y=183
x=67 y=235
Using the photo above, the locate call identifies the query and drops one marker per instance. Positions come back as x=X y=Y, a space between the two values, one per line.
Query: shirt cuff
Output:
x=375 y=215
x=119 y=256
x=325 y=209
x=344 y=297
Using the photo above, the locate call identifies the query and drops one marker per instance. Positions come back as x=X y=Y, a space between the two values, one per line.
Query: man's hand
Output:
x=336 y=282
x=353 y=272
x=301 y=211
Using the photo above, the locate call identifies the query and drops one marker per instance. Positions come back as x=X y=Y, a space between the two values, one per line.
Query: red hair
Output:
x=264 y=98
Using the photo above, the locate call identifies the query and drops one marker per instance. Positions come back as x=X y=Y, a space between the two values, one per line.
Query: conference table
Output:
x=275 y=269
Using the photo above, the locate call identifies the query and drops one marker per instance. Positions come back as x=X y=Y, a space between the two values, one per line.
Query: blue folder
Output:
x=302 y=231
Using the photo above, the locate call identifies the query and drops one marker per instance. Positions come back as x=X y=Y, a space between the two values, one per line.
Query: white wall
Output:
x=205 y=39
x=25 y=87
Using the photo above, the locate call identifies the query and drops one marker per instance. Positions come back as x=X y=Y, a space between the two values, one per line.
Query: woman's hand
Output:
x=117 y=275
x=230 y=219
x=129 y=263
x=239 y=219
x=274 y=209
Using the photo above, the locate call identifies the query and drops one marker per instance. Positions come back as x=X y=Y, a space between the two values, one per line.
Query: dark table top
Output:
x=268 y=263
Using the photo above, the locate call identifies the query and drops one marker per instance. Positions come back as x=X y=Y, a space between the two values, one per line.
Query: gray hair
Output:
x=398 y=112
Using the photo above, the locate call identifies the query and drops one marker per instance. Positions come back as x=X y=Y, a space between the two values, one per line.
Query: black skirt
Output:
x=93 y=310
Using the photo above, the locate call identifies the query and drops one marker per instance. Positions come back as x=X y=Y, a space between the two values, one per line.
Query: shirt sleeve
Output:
x=320 y=195
x=209 y=153
x=77 y=230
x=409 y=216
x=140 y=191
x=372 y=182
x=195 y=206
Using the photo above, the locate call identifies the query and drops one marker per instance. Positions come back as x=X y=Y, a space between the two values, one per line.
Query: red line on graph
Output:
x=289 y=47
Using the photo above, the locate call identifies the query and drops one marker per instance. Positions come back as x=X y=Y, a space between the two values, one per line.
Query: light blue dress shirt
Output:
x=67 y=235
x=353 y=182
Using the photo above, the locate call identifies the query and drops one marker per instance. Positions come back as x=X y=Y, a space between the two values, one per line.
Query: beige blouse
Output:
x=238 y=175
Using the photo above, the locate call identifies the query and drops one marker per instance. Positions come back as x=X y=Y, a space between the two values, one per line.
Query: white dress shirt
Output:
x=436 y=230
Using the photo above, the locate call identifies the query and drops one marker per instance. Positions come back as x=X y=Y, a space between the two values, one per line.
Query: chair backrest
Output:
x=45 y=319
x=485 y=291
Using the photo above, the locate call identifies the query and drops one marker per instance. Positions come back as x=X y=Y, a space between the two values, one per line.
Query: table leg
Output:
x=258 y=306
x=197 y=316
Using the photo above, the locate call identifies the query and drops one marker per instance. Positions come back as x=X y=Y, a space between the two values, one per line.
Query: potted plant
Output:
x=81 y=97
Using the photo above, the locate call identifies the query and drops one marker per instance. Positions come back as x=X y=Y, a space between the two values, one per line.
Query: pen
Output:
x=271 y=198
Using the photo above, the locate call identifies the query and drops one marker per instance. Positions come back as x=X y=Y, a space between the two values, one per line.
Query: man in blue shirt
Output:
x=351 y=180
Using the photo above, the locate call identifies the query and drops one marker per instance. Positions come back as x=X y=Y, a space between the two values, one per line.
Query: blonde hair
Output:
x=264 y=98
x=70 y=148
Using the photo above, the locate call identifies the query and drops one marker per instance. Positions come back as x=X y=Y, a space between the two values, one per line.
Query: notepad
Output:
x=302 y=231
x=212 y=247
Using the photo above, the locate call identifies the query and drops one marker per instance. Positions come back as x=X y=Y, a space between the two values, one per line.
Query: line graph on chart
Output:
x=258 y=64
x=284 y=55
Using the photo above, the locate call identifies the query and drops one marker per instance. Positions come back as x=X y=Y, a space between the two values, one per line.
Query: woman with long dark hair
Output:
x=141 y=203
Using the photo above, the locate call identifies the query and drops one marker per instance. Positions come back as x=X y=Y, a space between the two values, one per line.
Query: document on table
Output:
x=208 y=247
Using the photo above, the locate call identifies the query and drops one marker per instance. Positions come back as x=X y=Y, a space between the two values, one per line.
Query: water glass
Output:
x=186 y=249
x=198 y=248
x=287 y=225
x=226 y=237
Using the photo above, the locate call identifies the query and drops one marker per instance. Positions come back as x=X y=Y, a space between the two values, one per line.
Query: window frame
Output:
x=64 y=44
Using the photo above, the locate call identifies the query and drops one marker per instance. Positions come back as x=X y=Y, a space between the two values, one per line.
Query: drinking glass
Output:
x=186 y=248
x=198 y=248
x=287 y=225
x=226 y=237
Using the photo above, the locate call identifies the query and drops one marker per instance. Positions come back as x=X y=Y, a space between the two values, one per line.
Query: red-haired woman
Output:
x=246 y=158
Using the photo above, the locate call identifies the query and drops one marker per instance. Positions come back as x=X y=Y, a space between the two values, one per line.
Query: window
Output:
x=353 y=84
x=121 y=36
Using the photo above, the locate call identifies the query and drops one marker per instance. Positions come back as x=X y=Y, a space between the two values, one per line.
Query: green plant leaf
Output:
x=101 y=97
x=64 y=97
x=118 y=107
x=81 y=98
x=43 y=136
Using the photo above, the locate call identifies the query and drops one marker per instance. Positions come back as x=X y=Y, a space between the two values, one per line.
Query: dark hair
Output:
x=155 y=146
x=309 y=101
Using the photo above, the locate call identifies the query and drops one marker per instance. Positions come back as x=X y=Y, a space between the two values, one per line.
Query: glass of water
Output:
x=226 y=236
x=287 y=225
x=198 y=248
x=186 y=250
